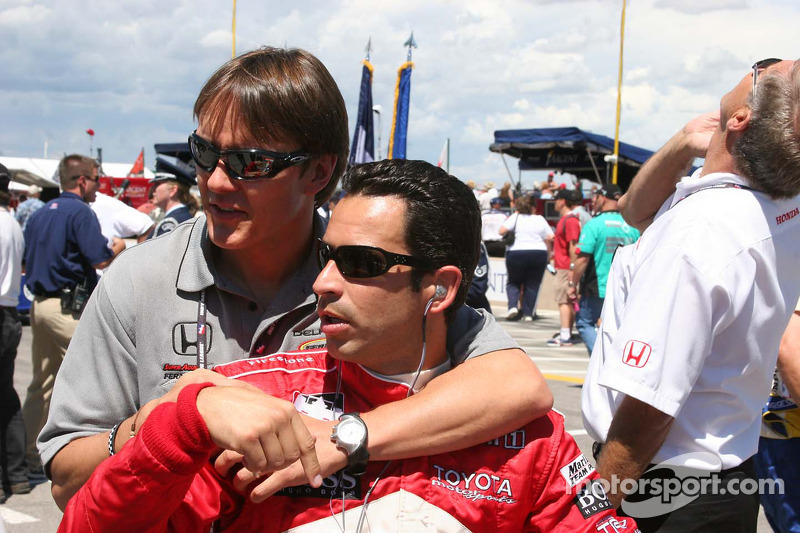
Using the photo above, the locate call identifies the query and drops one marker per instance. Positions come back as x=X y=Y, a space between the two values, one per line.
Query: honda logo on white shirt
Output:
x=636 y=353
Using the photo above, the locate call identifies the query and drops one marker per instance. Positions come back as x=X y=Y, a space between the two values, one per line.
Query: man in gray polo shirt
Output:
x=243 y=272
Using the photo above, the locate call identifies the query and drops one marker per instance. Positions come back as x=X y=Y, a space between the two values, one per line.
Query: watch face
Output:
x=351 y=431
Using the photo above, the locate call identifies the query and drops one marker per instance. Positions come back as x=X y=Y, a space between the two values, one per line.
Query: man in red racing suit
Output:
x=533 y=479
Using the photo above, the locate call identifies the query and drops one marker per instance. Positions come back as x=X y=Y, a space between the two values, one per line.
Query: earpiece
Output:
x=441 y=292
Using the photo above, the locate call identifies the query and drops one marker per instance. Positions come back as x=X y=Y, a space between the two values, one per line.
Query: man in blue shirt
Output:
x=63 y=247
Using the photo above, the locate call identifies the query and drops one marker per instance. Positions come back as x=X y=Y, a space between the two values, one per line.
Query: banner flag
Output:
x=138 y=166
x=444 y=157
x=402 y=96
x=363 y=148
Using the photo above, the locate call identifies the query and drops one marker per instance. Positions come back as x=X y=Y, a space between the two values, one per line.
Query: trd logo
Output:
x=184 y=338
x=636 y=353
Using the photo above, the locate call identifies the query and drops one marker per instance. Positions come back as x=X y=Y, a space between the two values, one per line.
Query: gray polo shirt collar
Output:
x=197 y=270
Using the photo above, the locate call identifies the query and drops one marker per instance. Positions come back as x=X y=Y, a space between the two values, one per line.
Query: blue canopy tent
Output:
x=569 y=150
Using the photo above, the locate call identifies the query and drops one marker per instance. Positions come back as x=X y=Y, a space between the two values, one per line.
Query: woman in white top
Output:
x=527 y=258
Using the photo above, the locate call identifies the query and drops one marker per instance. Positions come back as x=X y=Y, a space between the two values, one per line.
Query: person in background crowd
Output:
x=119 y=220
x=476 y=296
x=491 y=222
x=598 y=243
x=270 y=145
x=526 y=259
x=780 y=434
x=565 y=242
x=583 y=215
x=506 y=195
x=63 y=247
x=12 y=427
x=547 y=191
x=489 y=193
x=531 y=479
x=689 y=341
x=475 y=191
x=171 y=194
x=149 y=208
x=29 y=206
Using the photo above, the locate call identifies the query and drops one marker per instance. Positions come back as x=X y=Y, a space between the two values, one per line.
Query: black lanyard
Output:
x=717 y=186
x=201 y=330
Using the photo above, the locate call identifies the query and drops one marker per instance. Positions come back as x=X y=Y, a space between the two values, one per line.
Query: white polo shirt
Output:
x=693 y=316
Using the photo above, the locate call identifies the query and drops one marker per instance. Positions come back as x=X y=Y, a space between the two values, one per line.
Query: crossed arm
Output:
x=456 y=410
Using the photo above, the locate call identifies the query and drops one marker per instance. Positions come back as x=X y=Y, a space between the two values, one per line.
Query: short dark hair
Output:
x=281 y=94
x=768 y=151
x=443 y=218
x=568 y=196
x=71 y=167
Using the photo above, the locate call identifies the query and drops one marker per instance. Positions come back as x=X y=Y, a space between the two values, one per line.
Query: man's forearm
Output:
x=636 y=434
x=655 y=181
x=74 y=463
x=461 y=408
x=581 y=262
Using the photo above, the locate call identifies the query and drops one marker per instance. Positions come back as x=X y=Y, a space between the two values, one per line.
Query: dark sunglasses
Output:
x=248 y=164
x=366 y=261
x=761 y=65
x=90 y=178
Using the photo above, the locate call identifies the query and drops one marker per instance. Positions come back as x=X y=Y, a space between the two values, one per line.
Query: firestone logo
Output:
x=474 y=486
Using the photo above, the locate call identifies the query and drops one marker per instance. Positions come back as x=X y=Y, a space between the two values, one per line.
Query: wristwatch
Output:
x=350 y=435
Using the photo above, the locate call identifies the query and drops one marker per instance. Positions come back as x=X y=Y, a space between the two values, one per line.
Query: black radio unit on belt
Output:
x=73 y=299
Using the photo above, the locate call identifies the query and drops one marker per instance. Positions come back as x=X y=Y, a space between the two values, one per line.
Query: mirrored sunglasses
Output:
x=247 y=164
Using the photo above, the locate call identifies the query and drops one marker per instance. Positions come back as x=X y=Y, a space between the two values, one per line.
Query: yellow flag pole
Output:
x=233 y=30
x=619 y=95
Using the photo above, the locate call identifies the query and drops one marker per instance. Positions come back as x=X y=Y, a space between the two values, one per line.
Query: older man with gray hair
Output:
x=29 y=206
x=695 y=311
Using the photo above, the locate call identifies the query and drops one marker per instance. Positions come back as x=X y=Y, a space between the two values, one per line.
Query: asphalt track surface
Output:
x=564 y=368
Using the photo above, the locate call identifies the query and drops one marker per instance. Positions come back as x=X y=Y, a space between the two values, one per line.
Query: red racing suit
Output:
x=533 y=479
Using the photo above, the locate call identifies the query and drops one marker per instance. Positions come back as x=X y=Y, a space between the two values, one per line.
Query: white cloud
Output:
x=131 y=69
x=705 y=6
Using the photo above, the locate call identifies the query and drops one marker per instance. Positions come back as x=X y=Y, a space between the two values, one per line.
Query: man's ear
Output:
x=320 y=170
x=449 y=278
x=739 y=120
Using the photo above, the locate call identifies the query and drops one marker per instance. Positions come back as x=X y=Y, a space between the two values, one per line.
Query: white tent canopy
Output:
x=41 y=172
x=31 y=171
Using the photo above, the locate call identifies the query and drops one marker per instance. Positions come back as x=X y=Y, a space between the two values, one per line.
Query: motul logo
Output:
x=636 y=353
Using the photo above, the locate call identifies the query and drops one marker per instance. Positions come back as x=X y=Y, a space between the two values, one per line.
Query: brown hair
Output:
x=523 y=205
x=187 y=198
x=281 y=94
x=71 y=167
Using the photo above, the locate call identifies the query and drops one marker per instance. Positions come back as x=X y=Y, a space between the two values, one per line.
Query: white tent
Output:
x=41 y=172
x=31 y=171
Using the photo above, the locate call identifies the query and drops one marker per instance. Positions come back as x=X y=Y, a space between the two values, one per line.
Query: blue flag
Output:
x=363 y=147
x=402 y=96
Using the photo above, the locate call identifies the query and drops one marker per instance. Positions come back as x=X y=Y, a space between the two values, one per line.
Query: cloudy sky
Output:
x=131 y=69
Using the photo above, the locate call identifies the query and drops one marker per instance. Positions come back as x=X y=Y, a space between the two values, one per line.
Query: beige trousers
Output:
x=52 y=330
